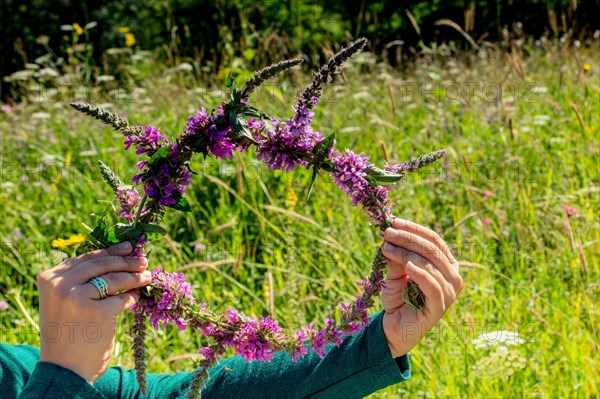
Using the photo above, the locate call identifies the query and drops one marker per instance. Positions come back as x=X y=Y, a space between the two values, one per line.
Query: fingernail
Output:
x=147 y=274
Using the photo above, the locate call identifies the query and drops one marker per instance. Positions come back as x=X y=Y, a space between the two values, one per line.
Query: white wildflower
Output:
x=499 y=338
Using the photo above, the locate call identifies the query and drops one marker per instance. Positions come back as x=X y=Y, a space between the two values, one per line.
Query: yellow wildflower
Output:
x=78 y=29
x=129 y=39
x=291 y=199
x=587 y=67
x=61 y=243
x=124 y=29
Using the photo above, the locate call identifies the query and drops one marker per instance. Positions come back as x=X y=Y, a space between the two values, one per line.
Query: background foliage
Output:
x=248 y=34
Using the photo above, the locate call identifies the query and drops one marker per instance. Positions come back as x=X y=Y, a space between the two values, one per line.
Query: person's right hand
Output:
x=77 y=329
x=419 y=254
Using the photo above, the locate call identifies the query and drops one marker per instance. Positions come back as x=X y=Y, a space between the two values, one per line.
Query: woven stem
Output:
x=139 y=349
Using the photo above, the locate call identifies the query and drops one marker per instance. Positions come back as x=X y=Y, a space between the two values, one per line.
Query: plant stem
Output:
x=139 y=211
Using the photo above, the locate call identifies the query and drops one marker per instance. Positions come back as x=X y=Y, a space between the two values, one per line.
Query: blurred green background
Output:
x=248 y=34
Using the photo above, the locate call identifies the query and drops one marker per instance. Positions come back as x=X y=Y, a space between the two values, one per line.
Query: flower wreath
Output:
x=283 y=145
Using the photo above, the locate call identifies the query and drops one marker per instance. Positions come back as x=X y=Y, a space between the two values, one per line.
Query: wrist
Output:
x=72 y=365
x=396 y=353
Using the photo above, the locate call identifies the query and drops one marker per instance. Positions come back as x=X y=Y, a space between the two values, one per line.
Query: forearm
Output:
x=363 y=364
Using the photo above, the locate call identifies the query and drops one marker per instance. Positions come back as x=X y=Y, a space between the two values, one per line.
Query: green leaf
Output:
x=111 y=238
x=327 y=167
x=229 y=81
x=124 y=232
x=99 y=232
x=181 y=203
x=153 y=232
x=325 y=145
x=240 y=125
x=312 y=182
x=153 y=228
x=159 y=156
x=379 y=176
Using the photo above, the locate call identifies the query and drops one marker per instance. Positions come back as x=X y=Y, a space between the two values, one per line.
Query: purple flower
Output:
x=223 y=148
x=168 y=182
x=147 y=142
x=299 y=349
x=128 y=199
x=138 y=247
x=208 y=353
x=282 y=146
x=198 y=123
x=398 y=168
x=351 y=176
x=175 y=293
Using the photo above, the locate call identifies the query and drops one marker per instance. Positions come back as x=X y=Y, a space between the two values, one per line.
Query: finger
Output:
x=120 y=281
x=434 y=296
x=121 y=249
x=400 y=255
x=424 y=248
x=426 y=233
x=404 y=256
x=395 y=269
x=117 y=304
x=85 y=271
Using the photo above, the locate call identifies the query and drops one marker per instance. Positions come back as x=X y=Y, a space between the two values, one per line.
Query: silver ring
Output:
x=101 y=285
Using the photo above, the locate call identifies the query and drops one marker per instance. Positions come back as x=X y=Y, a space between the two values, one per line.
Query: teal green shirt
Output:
x=361 y=365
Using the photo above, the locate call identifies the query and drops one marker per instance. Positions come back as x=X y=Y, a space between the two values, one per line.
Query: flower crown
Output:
x=164 y=174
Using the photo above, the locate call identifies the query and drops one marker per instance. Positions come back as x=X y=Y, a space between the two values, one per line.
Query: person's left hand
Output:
x=418 y=254
x=77 y=328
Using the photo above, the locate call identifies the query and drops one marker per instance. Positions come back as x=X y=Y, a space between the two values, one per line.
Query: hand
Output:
x=418 y=254
x=77 y=329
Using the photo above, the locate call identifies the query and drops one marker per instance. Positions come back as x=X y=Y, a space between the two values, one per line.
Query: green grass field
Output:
x=522 y=144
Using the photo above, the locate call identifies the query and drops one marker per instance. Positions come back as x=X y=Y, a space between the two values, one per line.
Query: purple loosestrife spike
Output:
x=266 y=73
x=109 y=176
x=424 y=160
x=200 y=377
x=314 y=91
x=110 y=118
x=139 y=347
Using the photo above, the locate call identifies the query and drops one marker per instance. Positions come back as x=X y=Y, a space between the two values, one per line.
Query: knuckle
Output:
x=44 y=278
x=458 y=282
x=451 y=295
x=437 y=290
x=113 y=278
x=436 y=238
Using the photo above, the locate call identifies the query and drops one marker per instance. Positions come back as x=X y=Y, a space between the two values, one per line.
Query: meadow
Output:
x=517 y=199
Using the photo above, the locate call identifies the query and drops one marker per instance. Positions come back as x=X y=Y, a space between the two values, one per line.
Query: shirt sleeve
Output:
x=51 y=381
x=23 y=376
x=361 y=365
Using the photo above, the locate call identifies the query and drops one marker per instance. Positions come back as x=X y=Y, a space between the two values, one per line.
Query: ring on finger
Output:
x=101 y=285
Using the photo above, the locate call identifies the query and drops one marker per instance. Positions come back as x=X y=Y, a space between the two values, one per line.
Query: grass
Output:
x=254 y=242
